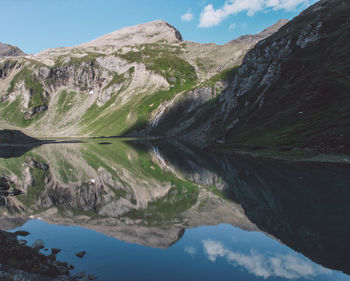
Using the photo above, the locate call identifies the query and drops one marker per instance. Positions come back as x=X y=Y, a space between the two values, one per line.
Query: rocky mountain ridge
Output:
x=290 y=91
x=114 y=85
x=7 y=50
x=287 y=91
x=262 y=35
x=147 y=33
x=282 y=92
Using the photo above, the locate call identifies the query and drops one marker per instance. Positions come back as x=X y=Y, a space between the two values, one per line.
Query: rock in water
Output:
x=22 y=242
x=80 y=254
x=80 y=275
x=22 y=233
x=38 y=244
x=55 y=251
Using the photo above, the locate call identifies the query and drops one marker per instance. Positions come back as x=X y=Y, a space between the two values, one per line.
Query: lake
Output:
x=161 y=210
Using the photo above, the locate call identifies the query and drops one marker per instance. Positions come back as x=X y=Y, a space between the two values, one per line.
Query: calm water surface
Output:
x=218 y=252
x=169 y=211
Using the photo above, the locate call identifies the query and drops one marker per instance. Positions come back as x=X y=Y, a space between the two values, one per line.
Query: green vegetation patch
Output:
x=135 y=115
x=163 y=60
x=32 y=84
x=117 y=79
x=65 y=102
x=34 y=190
x=11 y=112
x=88 y=58
x=226 y=75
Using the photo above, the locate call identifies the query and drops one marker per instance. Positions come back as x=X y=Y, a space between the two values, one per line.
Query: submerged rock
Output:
x=26 y=263
x=22 y=242
x=22 y=233
x=38 y=244
x=55 y=251
x=80 y=254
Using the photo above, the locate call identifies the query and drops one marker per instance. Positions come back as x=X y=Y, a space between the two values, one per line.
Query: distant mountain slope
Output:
x=292 y=90
x=146 y=33
x=260 y=36
x=114 y=85
x=10 y=51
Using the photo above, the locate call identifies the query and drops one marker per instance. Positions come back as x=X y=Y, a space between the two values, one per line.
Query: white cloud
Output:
x=232 y=26
x=188 y=16
x=212 y=17
x=191 y=250
x=287 y=266
x=202 y=3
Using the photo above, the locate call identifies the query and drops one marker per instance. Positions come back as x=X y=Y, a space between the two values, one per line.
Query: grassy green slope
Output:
x=112 y=118
x=135 y=114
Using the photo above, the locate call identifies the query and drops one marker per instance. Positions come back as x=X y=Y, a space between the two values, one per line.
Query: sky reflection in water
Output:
x=220 y=252
x=304 y=205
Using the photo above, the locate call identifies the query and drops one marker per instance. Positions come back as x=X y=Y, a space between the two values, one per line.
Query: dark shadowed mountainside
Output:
x=292 y=89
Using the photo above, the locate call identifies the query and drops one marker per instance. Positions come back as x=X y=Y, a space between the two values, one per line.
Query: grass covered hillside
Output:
x=114 y=85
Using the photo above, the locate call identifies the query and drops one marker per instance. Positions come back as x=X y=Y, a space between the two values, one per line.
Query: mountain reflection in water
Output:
x=167 y=194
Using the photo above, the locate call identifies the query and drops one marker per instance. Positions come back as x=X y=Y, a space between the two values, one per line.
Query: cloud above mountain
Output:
x=212 y=17
x=188 y=16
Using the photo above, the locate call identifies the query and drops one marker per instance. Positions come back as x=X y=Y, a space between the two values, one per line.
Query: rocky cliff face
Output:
x=117 y=84
x=7 y=50
x=292 y=88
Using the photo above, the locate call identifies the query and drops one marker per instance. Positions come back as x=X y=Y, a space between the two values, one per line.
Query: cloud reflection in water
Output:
x=191 y=250
x=288 y=266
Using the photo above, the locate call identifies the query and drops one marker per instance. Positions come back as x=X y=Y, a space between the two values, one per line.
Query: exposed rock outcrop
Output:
x=146 y=33
x=287 y=91
x=7 y=50
x=113 y=85
x=20 y=262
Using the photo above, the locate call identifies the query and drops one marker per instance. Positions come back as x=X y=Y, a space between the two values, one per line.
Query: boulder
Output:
x=38 y=244
x=80 y=254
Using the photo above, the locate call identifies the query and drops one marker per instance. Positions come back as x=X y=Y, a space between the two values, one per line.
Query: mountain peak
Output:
x=7 y=50
x=250 y=39
x=150 y=32
x=273 y=28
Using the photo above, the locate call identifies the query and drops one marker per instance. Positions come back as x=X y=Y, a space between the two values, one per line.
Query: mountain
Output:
x=10 y=51
x=117 y=84
x=289 y=90
x=146 y=33
x=292 y=89
x=260 y=36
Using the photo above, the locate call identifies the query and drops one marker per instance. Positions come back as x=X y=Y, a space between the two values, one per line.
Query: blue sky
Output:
x=35 y=25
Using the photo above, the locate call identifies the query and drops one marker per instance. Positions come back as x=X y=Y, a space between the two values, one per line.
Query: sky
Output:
x=36 y=25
